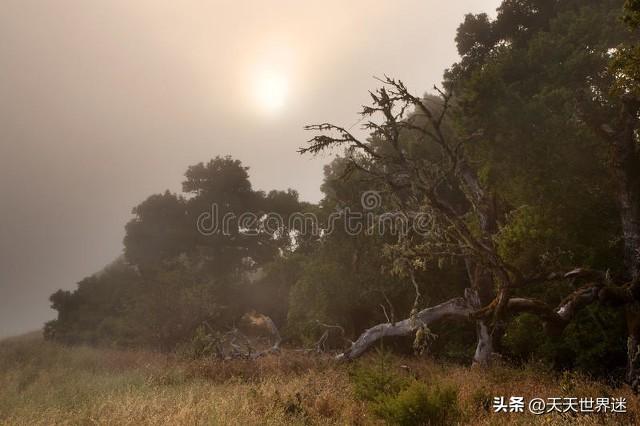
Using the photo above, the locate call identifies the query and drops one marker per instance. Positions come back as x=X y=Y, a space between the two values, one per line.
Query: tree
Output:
x=97 y=311
x=499 y=57
x=160 y=231
x=580 y=66
x=175 y=276
x=444 y=187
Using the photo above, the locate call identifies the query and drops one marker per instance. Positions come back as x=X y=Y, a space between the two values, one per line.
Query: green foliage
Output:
x=346 y=279
x=625 y=62
x=401 y=399
x=593 y=343
x=375 y=382
x=525 y=338
x=172 y=310
x=528 y=237
x=160 y=231
x=550 y=169
x=320 y=294
x=453 y=341
x=625 y=67
x=96 y=312
x=203 y=344
x=419 y=404
x=632 y=13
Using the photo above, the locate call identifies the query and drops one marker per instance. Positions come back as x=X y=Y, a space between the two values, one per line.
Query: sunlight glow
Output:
x=270 y=89
x=272 y=67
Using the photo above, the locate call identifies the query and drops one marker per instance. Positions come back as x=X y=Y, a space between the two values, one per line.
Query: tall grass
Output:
x=43 y=383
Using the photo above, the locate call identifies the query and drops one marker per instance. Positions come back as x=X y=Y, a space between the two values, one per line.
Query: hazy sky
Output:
x=103 y=103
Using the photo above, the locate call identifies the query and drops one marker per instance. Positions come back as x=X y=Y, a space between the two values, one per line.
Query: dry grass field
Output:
x=42 y=383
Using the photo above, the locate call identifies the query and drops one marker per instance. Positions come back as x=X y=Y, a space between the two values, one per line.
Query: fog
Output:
x=104 y=103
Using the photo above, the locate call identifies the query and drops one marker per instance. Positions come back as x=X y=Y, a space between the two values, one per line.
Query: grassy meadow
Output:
x=43 y=383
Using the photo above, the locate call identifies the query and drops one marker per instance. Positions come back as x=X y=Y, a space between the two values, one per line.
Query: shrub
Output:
x=525 y=338
x=420 y=405
x=372 y=382
x=202 y=345
x=402 y=400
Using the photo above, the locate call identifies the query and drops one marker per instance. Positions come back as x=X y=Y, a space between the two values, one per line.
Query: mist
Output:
x=105 y=103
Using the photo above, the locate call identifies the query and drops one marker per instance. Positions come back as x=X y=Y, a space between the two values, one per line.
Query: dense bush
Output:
x=373 y=383
x=592 y=344
x=402 y=399
x=419 y=404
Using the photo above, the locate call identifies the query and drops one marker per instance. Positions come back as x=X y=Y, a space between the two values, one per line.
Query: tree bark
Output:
x=458 y=308
x=625 y=160
x=482 y=285
x=484 y=348
x=625 y=166
x=632 y=313
x=480 y=278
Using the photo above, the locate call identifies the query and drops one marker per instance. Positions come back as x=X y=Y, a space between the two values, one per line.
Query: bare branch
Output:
x=460 y=308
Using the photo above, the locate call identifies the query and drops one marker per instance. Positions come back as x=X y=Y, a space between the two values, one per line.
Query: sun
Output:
x=271 y=89
x=272 y=68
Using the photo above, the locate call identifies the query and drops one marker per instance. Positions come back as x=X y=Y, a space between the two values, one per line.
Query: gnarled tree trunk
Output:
x=482 y=294
x=459 y=308
x=625 y=161
x=625 y=166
